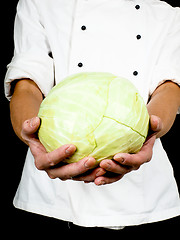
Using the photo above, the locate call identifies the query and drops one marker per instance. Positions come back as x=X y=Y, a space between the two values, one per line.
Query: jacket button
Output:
x=135 y=73
x=83 y=28
x=80 y=64
x=137 y=7
x=138 y=37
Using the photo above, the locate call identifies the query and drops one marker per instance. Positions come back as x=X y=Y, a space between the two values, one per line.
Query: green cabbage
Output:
x=101 y=114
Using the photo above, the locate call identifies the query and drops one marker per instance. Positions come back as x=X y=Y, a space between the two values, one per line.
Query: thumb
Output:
x=155 y=123
x=29 y=128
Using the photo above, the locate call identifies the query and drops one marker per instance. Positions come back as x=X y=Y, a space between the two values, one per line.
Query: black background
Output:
x=13 y=152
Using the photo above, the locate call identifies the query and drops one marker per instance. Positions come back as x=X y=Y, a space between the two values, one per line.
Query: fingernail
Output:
x=108 y=166
x=119 y=157
x=89 y=163
x=101 y=183
x=158 y=126
x=99 y=173
x=34 y=121
x=70 y=149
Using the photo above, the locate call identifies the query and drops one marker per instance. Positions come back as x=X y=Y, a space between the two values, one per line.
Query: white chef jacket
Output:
x=135 y=39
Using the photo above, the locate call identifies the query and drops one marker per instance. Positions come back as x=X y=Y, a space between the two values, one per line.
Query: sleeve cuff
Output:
x=39 y=68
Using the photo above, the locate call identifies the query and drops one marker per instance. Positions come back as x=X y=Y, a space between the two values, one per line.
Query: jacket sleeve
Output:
x=31 y=54
x=168 y=64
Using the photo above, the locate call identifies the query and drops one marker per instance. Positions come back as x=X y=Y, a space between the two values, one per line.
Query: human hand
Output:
x=124 y=163
x=52 y=162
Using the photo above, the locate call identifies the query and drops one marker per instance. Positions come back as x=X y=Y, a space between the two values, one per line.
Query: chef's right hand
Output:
x=51 y=161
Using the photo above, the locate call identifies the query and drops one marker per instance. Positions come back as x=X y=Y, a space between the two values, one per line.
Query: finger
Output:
x=136 y=160
x=149 y=143
x=72 y=170
x=46 y=160
x=155 y=124
x=30 y=128
x=107 y=180
x=115 y=167
x=31 y=125
x=90 y=176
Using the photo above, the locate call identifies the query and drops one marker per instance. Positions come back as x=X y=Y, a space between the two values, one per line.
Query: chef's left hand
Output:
x=124 y=163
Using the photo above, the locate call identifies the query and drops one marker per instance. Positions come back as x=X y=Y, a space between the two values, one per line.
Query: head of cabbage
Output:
x=101 y=114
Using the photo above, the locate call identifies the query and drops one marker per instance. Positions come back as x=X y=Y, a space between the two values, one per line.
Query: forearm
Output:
x=164 y=103
x=24 y=104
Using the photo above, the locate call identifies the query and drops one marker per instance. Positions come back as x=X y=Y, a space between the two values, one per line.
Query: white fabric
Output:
x=108 y=44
